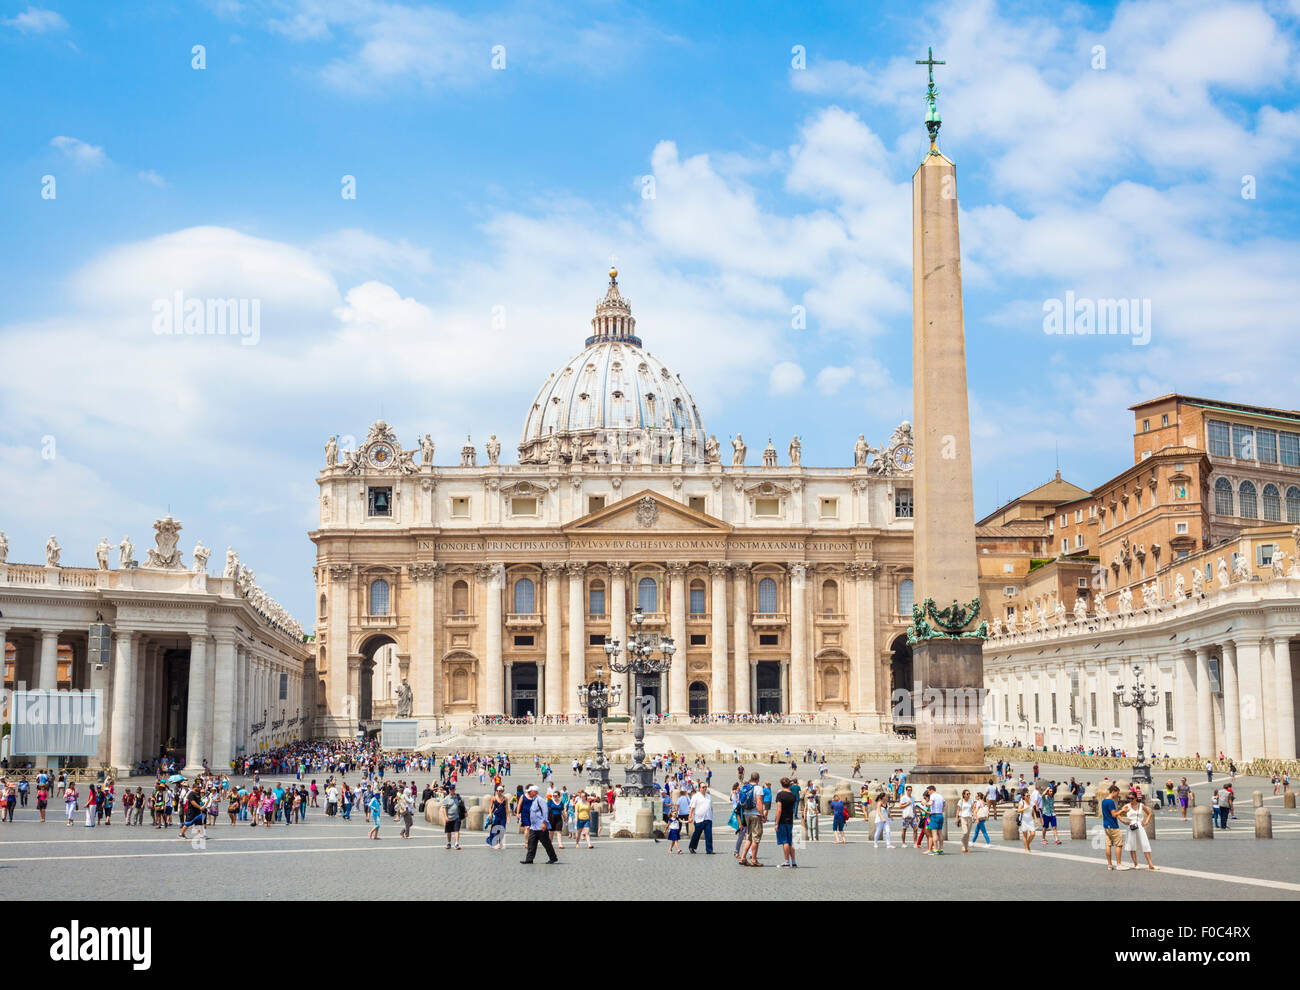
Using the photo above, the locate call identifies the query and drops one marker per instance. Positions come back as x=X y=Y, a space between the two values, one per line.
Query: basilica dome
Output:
x=613 y=401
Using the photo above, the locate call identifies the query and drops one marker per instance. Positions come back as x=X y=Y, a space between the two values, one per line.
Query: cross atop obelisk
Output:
x=932 y=118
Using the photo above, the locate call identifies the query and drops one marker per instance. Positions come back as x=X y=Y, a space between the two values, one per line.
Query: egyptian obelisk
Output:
x=947 y=633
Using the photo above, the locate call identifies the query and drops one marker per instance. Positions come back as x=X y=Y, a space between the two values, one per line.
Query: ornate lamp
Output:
x=641 y=659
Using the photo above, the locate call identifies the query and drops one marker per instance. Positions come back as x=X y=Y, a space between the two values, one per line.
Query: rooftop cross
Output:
x=932 y=118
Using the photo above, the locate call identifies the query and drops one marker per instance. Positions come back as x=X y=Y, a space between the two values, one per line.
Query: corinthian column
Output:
x=740 y=637
x=223 y=704
x=198 y=704
x=554 y=641
x=1231 y=702
x=1204 y=704
x=678 y=703
x=618 y=627
x=1285 y=699
x=577 y=662
x=494 y=675
x=719 y=697
x=799 y=672
x=123 y=729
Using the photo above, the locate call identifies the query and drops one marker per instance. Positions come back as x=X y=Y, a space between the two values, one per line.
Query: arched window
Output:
x=596 y=598
x=647 y=594
x=1293 y=504
x=905 y=596
x=1223 y=497
x=1248 y=504
x=1272 y=504
x=379 y=597
x=697 y=598
x=830 y=597
x=767 y=596
x=460 y=598
x=525 y=596
x=323 y=610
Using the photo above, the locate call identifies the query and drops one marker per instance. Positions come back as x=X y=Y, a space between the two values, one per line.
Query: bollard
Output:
x=1151 y=822
x=474 y=819
x=1263 y=823
x=1078 y=824
x=1010 y=830
x=1202 y=823
x=1288 y=798
x=1257 y=799
x=644 y=823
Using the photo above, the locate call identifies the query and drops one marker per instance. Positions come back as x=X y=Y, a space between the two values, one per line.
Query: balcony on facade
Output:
x=523 y=620
x=769 y=620
x=379 y=622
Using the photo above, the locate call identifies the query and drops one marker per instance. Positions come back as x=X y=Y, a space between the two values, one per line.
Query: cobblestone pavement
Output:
x=332 y=859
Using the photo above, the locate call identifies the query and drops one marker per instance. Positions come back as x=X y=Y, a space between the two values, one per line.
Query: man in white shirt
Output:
x=331 y=800
x=907 y=813
x=701 y=820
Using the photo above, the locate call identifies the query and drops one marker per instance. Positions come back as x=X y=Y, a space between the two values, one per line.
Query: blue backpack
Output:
x=747 y=803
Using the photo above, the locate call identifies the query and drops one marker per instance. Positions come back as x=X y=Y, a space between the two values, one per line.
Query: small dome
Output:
x=612 y=398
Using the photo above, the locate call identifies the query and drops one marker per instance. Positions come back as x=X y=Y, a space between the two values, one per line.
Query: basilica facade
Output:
x=492 y=588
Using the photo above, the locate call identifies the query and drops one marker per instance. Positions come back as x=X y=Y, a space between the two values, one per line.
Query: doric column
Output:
x=48 y=677
x=223 y=704
x=740 y=637
x=618 y=627
x=785 y=687
x=1285 y=699
x=1268 y=697
x=577 y=661
x=198 y=703
x=494 y=702
x=1251 y=702
x=678 y=700
x=1204 y=704
x=799 y=672
x=1231 y=701
x=554 y=703
x=1185 y=701
x=719 y=697
x=508 y=673
x=336 y=659
x=123 y=727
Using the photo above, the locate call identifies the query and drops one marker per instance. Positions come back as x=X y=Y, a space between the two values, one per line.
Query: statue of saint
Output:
x=101 y=553
x=426 y=450
x=52 y=551
x=331 y=453
x=201 y=554
x=738 y=449
x=4 y=547
x=232 y=563
x=860 y=451
x=405 y=700
x=712 y=451
x=494 y=449
x=796 y=451
x=126 y=553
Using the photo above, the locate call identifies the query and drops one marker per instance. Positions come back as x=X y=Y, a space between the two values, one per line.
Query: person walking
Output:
x=1184 y=795
x=981 y=819
x=582 y=819
x=907 y=812
x=882 y=823
x=498 y=816
x=701 y=820
x=839 y=818
x=1110 y=826
x=537 y=828
x=404 y=810
x=934 y=826
x=812 y=814
x=376 y=808
x=1047 y=806
x=1025 y=810
x=452 y=810
x=753 y=814
x=785 y=802
x=1136 y=815
x=965 y=816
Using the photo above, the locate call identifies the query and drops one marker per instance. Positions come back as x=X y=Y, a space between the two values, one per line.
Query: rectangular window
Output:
x=1009 y=590
x=903 y=503
x=830 y=508
x=1264 y=554
x=595 y=503
x=1146 y=425
x=697 y=601
x=523 y=641
x=596 y=639
x=1037 y=715
x=1078 y=515
x=1243 y=442
x=767 y=506
x=1006 y=709
x=1220 y=439
x=1053 y=707
x=1092 y=707
x=1065 y=545
x=1078 y=540
x=1011 y=613
x=1164 y=420
x=1083 y=582
x=699 y=639
x=1115 y=711
x=523 y=506
x=1180 y=527
x=768 y=639
x=1064 y=521
x=1215 y=686
x=1169 y=711
x=1266 y=445
x=380 y=501
x=1288 y=446
x=1180 y=555
x=596 y=601
x=460 y=506
x=696 y=502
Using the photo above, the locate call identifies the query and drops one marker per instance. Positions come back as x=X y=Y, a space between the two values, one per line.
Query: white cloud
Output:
x=35 y=20
x=786 y=378
x=832 y=378
x=152 y=177
x=78 y=151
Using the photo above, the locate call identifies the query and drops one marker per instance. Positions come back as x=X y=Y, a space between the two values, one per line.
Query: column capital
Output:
x=741 y=568
x=340 y=572
x=426 y=570
x=798 y=569
x=718 y=568
x=617 y=568
x=576 y=568
x=553 y=568
x=677 y=568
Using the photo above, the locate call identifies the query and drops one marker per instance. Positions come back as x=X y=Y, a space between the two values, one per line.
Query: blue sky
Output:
x=1102 y=150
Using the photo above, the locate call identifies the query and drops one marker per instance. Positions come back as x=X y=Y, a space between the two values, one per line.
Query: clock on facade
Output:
x=903 y=457
x=381 y=454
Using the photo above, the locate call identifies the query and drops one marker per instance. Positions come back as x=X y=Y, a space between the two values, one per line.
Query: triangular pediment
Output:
x=647 y=511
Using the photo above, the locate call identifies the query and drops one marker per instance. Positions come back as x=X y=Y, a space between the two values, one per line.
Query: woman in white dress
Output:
x=1025 y=809
x=1136 y=815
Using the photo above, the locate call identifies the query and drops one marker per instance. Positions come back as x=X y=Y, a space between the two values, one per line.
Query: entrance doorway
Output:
x=366 y=677
x=523 y=690
x=699 y=699
x=647 y=686
x=768 y=677
x=902 y=687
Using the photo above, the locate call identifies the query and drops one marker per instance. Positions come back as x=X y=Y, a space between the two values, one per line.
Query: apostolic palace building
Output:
x=491 y=588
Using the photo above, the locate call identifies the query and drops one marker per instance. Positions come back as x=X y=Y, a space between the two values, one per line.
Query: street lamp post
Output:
x=600 y=697
x=1076 y=722
x=641 y=660
x=1020 y=714
x=1139 y=701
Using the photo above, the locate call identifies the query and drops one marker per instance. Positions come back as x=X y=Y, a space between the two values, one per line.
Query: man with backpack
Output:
x=453 y=809
x=753 y=814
